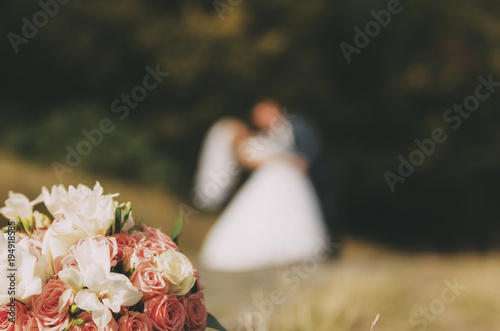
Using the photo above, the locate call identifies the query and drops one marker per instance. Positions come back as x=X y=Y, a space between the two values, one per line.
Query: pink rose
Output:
x=26 y=322
x=65 y=262
x=125 y=244
x=166 y=313
x=157 y=245
x=49 y=315
x=90 y=325
x=140 y=254
x=138 y=236
x=148 y=279
x=11 y=315
x=158 y=239
x=144 y=254
x=196 y=312
x=134 y=321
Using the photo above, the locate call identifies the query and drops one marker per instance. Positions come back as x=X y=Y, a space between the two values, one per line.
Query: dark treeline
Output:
x=375 y=76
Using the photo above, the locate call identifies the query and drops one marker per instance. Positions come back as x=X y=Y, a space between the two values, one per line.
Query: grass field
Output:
x=410 y=291
x=439 y=293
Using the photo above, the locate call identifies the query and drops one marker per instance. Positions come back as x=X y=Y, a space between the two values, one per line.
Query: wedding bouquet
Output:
x=92 y=267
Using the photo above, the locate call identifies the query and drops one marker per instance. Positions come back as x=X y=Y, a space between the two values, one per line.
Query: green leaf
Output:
x=130 y=272
x=19 y=224
x=118 y=226
x=32 y=223
x=27 y=226
x=213 y=323
x=126 y=211
x=118 y=220
x=177 y=228
x=118 y=213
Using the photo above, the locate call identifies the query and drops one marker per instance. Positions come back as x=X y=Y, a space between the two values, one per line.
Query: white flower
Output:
x=18 y=205
x=32 y=271
x=105 y=291
x=4 y=265
x=59 y=238
x=179 y=271
x=88 y=210
x=129 y=224
x=92 y=250
x=73 y=278
x=42 y=221
x=54 y=199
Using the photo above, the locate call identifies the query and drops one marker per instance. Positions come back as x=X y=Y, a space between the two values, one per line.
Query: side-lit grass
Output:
x=396 y=286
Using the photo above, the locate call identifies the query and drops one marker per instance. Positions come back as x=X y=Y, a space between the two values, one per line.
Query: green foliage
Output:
x=177 y=229
x=213 y=323
x=122 y=214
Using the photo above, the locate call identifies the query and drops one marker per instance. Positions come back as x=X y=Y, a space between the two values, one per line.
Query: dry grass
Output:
x=346 y=295
x=396 y=287
x=343 y=295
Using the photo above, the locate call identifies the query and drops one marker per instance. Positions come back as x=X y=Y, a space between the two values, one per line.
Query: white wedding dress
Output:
x=218 y=171
x=274 y=219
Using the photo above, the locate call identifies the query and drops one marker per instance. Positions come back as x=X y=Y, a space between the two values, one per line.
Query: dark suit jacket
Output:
x=309 y=145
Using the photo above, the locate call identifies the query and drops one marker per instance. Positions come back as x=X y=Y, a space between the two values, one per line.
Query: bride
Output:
x=275 y=218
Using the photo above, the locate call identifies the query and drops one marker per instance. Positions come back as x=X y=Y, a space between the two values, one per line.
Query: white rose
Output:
x=179 y=271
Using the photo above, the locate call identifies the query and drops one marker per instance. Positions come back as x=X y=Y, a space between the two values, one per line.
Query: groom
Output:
x=311 y=157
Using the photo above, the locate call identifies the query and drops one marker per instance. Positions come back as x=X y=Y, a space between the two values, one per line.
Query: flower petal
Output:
x=73 y=278
x=87 y=300
x=94 y=276
x=102 y=317
x=120 y=292
x=65 y=300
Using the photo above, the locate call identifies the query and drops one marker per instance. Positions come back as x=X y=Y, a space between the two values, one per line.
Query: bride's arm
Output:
x=248 y=157
x=298 y=161
x=245 y=154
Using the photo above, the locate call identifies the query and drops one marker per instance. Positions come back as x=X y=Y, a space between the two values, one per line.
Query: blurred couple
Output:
x=281 y=213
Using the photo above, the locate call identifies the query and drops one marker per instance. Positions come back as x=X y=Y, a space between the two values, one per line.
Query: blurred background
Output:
x=224 y=56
